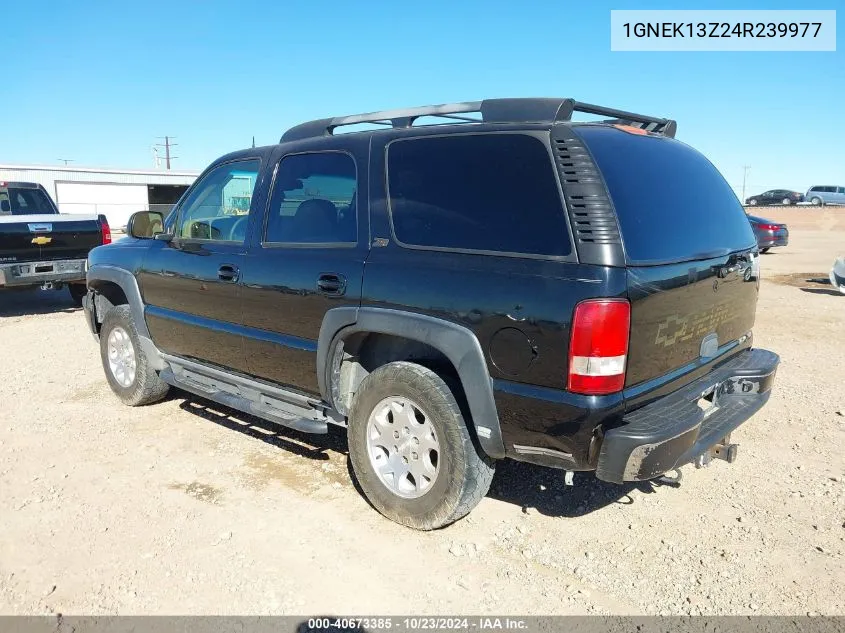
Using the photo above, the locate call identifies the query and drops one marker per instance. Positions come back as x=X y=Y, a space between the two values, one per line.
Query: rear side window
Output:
x=314 y=200
x=479 y=192
x=671 y=202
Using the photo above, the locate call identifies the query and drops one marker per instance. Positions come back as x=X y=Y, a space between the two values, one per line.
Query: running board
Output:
x=290 y=409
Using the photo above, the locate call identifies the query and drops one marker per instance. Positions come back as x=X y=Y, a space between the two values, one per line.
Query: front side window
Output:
x=477 y=192
x=314 y=200
x=218 y=206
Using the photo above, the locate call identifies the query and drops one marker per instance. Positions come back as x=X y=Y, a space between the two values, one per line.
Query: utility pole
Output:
x=65 y=160
x=745 y=169
x=167 y=145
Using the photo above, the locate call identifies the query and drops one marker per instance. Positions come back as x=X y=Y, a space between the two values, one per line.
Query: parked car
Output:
x=825 y=194
x=40 y=247
x=517 y=286
x=768 y=233
x=775 y=196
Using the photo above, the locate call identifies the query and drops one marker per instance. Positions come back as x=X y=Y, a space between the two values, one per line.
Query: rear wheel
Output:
x=411 y=450
x=764 y=250
x=753 y=202
x=126 y=365
x=787 y=201
x=77 y=293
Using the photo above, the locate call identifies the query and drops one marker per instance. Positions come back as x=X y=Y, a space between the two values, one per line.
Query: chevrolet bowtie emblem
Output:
x=41 y=240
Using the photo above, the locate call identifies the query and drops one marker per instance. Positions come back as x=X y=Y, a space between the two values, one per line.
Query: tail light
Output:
x=105 y=230
x=770 y=227
x=598 y=347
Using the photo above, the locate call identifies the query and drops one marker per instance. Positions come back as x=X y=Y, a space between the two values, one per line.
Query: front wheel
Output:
x=816 y=201
x=126 y=365
x=787 y=201
x=411 y=450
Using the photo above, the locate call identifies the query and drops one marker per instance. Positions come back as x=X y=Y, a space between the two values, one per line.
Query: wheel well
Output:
x=362 y=353
x=108 y=294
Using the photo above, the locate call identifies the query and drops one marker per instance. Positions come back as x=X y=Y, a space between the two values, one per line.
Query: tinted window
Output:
x=313 y=200
x=486 y=192
x=217 y=207
x=672 y=204
x=19 y=201
x=841 y=190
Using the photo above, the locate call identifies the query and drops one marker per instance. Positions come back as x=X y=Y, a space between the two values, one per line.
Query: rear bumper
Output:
x=675 y=430
x=37 y=273
x=773 y=240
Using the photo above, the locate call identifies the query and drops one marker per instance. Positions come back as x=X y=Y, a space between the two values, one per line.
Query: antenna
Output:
x=65 y=160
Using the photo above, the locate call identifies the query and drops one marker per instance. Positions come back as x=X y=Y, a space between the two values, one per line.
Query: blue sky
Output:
x=90 y=82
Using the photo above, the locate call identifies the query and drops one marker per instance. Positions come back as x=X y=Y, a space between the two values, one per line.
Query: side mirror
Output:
x=145 y=225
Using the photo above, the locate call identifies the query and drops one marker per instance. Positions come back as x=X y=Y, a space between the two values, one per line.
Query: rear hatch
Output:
x=31 y=228
x=690 y=253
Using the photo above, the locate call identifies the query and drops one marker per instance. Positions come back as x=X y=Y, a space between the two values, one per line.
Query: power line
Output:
x=167 y=145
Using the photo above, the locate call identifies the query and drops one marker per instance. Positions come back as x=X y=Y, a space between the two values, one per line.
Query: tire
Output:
x=816 y=201
x=787 y=201
x=765 y=250
x=462 y=474
x=753 y=202
x=136 y=385
x=77 y=293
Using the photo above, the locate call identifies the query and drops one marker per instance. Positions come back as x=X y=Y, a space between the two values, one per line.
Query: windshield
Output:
x=25 y=201
x=673 y=205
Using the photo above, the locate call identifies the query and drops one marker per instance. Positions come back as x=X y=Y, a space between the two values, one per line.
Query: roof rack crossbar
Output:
x=540 y=110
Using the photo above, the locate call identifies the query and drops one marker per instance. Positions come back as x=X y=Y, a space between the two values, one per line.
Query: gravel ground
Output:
x=183 y=507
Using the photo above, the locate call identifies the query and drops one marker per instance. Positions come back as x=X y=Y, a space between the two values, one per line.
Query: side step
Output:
x=276 y=405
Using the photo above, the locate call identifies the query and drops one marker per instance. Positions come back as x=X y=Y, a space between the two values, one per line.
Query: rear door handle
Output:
x=331 y=284
x=228 y=272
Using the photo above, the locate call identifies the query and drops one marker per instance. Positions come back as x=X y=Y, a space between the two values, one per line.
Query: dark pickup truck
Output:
x=39 y=247
x=509 y=283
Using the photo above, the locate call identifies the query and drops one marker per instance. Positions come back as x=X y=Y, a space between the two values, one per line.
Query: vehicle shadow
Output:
x=544 y=490
x=822 y=291
x=533 y=488
x=301 y=444
x=17 y=303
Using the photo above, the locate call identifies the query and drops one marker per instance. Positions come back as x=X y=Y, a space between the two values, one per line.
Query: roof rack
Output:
x=491 y=110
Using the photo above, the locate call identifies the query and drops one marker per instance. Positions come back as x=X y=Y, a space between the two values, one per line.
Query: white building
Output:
x=116 y=193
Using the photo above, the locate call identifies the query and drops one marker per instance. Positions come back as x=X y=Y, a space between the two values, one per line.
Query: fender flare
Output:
x=127 y=282
x=456 y=342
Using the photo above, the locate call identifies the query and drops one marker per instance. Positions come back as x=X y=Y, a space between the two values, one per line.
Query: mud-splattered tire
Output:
x=463 y=473
x=126 y=365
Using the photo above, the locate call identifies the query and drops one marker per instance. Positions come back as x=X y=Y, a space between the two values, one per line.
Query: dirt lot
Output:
x=182 y=508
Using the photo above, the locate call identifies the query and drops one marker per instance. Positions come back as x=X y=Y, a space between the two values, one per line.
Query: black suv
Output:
x=505 y=283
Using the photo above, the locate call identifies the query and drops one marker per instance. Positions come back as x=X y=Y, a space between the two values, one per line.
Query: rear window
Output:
x=22 y=201
x=479 y=192
x=672 y=203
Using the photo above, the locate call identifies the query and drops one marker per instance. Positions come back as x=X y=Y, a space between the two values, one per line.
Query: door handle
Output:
x=331 y=284
x=228 y=272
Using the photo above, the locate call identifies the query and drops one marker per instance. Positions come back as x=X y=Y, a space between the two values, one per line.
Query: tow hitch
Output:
x=723 y=450
x=52 y=285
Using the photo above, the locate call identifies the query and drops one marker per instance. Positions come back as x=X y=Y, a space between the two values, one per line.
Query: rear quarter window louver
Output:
x=590 y=211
